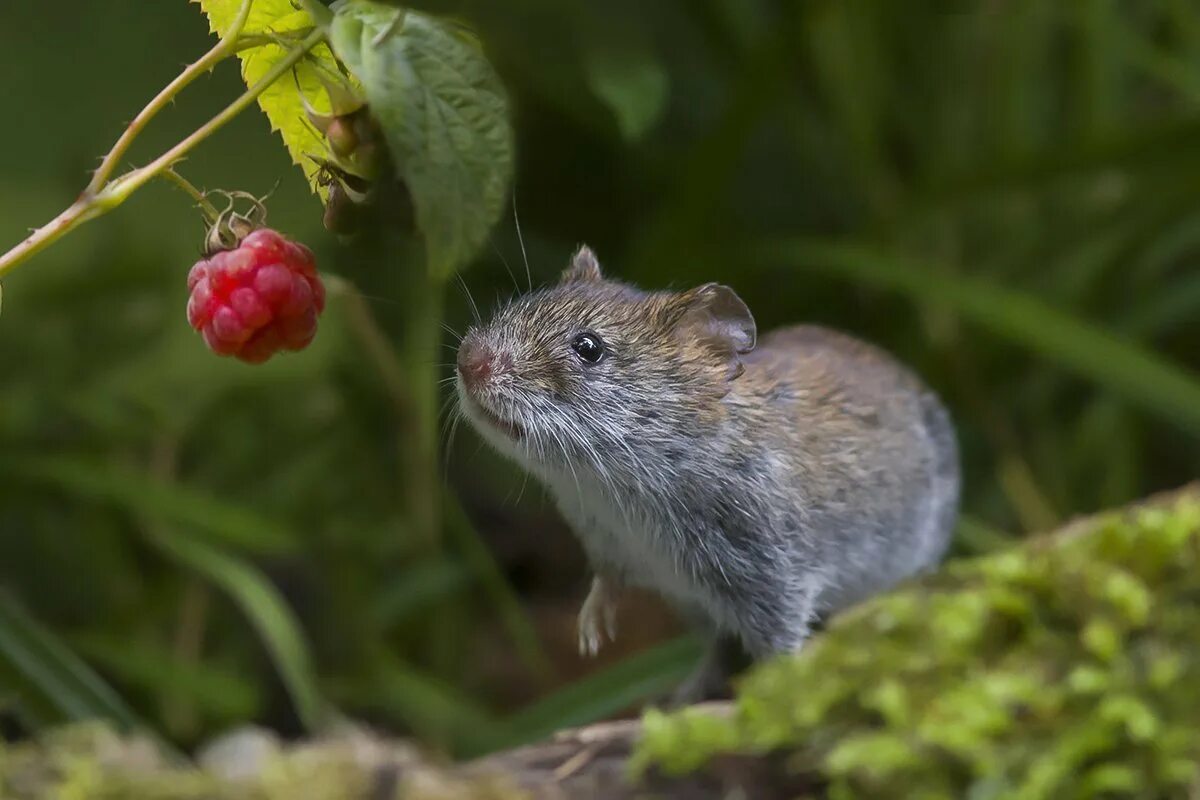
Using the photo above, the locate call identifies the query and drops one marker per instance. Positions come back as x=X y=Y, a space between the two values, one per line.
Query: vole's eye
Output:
x=588 y=347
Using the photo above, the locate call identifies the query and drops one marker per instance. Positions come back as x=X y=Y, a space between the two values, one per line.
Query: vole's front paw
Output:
x=597 y=617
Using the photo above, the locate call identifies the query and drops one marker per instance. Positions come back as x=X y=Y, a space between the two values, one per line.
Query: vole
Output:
x=757 y=485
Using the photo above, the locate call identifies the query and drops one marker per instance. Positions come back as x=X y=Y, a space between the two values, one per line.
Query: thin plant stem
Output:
x=222 y=50
x=375 y=341
x=90 y=206
x=318 y=11
x=249 y=41
x=210 y=211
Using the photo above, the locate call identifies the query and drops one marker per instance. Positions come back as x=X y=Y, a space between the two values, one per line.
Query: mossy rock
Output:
x=91 y=762
x=1068 y=667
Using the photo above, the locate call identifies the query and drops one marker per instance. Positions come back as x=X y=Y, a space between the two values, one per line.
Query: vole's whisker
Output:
x=470 y=299
x=507 y=268
x=570 y=462
x=521 y=240
x=524 y=483
x=451 y=399
x=448 y=449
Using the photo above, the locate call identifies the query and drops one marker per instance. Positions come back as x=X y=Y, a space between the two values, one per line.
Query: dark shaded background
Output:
x=1004 y=194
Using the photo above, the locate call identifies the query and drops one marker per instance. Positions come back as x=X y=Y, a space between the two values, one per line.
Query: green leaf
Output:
x=632 y=84
x=479 y=560
x=623 y=72
x=434 y=709
x=635 y=679
x=219 y=692
x=157 y=499
x=267 y=612
x=444 y=115
x=1136 y=373
x=282 y=101
x=418 y=587
x=49 y=678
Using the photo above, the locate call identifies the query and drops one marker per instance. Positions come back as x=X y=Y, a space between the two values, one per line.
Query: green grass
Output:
x=1004 y=195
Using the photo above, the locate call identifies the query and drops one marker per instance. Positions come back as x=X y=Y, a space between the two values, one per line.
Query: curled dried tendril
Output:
x=232 y=226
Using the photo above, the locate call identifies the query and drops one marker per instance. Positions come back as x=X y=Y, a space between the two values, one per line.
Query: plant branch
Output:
x=223 y=49
x=91 y=205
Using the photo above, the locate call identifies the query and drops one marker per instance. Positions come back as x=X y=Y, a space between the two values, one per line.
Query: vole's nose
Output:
x=477 y=362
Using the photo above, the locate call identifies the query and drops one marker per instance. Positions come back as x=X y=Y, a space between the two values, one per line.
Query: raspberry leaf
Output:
x=282 y=101
x=621 y=67
x=444 y=115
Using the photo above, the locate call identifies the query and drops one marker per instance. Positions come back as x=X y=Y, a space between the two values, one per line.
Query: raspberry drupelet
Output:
x=261 y=297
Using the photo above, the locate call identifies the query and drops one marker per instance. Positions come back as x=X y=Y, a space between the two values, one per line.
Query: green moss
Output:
x=1069 y=667
x=91 y=762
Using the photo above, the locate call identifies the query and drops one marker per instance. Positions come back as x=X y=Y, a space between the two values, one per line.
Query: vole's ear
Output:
x=716 y=318
x=584 y=267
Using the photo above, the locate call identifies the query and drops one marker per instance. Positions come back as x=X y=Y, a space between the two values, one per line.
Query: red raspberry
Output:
x=263 y=296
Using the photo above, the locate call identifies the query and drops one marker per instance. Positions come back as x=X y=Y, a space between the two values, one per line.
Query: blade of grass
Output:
x=466 y=540
x=1175 y=306
x=63 y=682
x=435 y=711
x=417 y=587
x=264 y=608
x=158 y=499
x=635 y=679
x=1135 y=373
x=974 y=537
x=1167 y=143
x=220 y=692
x=1094 y=25
x=1172 y=71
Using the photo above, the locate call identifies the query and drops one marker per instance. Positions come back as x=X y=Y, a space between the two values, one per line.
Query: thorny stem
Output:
x=127 y=183
x=224 y=48
x=91 y=204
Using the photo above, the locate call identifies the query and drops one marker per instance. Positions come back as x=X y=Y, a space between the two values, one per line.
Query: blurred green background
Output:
x=1004 y=194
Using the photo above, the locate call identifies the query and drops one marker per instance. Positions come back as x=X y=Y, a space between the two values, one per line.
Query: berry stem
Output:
x=222 y=50
x=318 y=11
x=210 y=211
x=90 y=205
x=375 y=340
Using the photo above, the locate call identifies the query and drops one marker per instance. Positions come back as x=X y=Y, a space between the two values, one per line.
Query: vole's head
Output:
x=593 y=372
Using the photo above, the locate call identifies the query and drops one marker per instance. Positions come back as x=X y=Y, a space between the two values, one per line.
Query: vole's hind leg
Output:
x=724 y=659
x=774 y=623
x=598 y=616
x=771 y=621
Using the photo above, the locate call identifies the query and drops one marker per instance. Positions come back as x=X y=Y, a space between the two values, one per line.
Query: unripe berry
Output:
x=343 y=139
